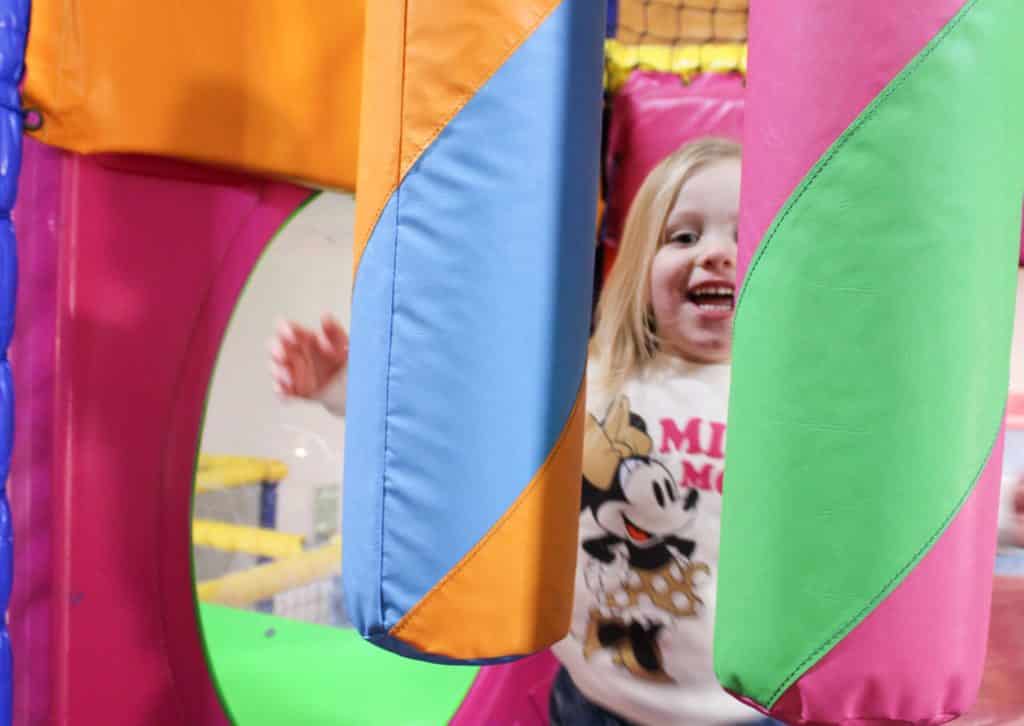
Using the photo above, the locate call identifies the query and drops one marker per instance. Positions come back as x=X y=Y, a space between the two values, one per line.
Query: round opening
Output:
x=266 y=539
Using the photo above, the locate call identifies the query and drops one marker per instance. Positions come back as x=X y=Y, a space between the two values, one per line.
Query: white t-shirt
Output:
x=643 y=613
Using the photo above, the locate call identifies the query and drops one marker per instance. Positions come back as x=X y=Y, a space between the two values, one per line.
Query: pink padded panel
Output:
x=514 y=694
x=31 y=478
x=655 y=113
x=150 y=256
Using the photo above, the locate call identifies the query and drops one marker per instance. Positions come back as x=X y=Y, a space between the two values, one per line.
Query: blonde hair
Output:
x=624 y=337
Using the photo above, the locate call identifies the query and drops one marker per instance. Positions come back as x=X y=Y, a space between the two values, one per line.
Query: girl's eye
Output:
x=685 y=238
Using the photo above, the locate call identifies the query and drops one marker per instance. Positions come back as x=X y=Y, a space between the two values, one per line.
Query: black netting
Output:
x=317 y=602
x=677 y=22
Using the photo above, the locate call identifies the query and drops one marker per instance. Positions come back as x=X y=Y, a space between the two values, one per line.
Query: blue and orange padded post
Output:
x=470 y=316
x=12 y=65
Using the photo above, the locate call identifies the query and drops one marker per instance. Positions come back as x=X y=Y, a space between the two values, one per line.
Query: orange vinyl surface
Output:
x=423 y=77
x=275 y=91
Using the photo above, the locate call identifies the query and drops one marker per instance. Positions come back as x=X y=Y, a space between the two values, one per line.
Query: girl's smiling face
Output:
x=693 y=275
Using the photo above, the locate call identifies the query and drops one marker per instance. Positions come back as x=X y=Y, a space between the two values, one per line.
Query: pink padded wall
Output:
x=654 y=114
x=150 y=257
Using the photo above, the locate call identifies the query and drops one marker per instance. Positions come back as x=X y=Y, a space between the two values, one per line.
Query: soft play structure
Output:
x=217 y=473
x=879 y=235
x=169 y=143
x=276 y=551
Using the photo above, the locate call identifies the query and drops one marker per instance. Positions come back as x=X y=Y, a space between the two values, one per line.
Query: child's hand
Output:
x=304 y=362
x=1017 y=514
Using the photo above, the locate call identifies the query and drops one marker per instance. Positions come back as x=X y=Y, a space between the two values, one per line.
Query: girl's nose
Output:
x=719 y=255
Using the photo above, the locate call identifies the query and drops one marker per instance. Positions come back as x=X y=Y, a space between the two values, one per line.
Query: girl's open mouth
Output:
x=713 y=298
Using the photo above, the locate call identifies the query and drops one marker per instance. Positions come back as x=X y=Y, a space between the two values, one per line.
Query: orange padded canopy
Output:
x=271 y=87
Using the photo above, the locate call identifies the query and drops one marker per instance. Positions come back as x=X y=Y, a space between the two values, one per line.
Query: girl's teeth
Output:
x=713 y=298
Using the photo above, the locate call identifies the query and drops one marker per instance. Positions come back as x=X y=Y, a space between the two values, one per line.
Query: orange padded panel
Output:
x=271 y=87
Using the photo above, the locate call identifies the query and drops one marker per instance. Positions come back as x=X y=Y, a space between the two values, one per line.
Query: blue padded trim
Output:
x=13 y=34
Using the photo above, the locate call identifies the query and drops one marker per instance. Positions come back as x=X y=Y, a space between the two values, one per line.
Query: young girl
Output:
x=640 y=646
x=1011 y=511
x=1015 y=527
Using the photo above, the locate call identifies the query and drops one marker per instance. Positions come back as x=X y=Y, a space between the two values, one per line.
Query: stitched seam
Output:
x=830 y=155
x=899 y=575
x=456 y=108
x=391 y=335
x=868 y=115
x=462 y=101
x=406 y=621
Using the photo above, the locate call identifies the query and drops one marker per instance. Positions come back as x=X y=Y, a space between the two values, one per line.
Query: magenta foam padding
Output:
x=655 y=113
x=36 y=220
x=511 y=693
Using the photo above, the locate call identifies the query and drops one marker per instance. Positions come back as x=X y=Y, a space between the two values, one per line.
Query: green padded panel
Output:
x=272 y=672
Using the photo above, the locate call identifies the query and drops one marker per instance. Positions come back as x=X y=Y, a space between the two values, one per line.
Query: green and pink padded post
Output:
x=883 y=177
